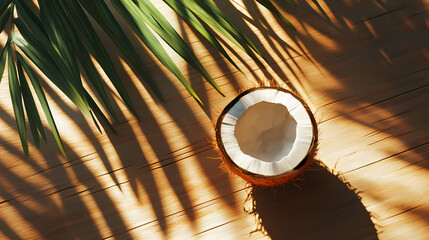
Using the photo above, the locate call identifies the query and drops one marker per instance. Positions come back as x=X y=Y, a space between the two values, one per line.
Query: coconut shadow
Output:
x=319 y=207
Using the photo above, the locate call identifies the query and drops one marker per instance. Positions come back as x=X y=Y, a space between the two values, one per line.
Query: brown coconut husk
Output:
x=229 y=166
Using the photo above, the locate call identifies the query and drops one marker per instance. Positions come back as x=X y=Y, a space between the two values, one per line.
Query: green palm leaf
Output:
x=5 y=18
x=60 y=40
x=48 y=56
x=225 y=29
x=3 y=58
x=41 y=58
x=211 y=9
x=82 y=25
x=16 y=96
x=101 y=13
x=3 y=5
x=64 y=56
x=95 y=109
x=132 y=14
x=75 y=50
x=30 y=107
x=162 y=27
x=25 y=12
x=43 y=102
x=48 y=37
x=193 y=21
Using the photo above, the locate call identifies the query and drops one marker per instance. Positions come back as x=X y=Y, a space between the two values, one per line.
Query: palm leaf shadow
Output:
x=392 y=61
x=55 y=222
x=270 y=36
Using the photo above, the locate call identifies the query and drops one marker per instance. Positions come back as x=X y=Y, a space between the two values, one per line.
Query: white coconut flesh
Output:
x=267 y=132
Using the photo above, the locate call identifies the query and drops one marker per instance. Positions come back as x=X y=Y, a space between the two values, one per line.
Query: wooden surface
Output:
x=363 y=68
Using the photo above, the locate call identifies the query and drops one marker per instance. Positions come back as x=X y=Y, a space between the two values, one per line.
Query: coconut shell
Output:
x=256 y=179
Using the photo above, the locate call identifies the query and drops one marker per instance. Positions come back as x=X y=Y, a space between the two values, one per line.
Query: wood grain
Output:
x=363 y=68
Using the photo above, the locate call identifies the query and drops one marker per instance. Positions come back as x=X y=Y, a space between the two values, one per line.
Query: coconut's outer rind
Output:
x=266 y=181
x=303 y=131
x=258 y=179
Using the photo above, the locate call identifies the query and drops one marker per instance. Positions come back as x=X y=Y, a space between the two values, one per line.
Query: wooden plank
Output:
x=160 y=179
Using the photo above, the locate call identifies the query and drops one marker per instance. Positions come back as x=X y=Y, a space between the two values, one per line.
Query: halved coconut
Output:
x=266 y=135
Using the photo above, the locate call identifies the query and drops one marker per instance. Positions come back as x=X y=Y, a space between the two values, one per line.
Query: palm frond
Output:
x=4 y=5
x=3 y=57
x=105 y=18
x=16 y=96
x=30 y=107
x=194 y=22
x=5 y=18
x=132 y=14
x=43 y=101
x=59 y=39
x=86 y=31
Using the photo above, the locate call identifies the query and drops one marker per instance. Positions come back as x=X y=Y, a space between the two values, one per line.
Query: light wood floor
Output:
x=363 y=68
